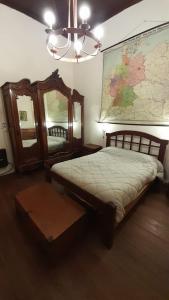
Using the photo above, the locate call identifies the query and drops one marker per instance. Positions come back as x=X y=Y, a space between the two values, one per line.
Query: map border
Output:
x=120 y=44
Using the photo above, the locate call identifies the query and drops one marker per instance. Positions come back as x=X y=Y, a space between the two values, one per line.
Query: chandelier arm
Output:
x=86 y=58
x=73 y=60
x=68 y=42
x=91 y=35
x=88 y=54
x=78 y=34
x=63 y=55
x=80 y=31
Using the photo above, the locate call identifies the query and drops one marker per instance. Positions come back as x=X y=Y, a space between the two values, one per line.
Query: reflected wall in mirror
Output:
x=77 y=120
x=56 y=119
x=26 y=121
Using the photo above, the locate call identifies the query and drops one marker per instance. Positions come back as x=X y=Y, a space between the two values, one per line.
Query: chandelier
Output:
x=81 y=43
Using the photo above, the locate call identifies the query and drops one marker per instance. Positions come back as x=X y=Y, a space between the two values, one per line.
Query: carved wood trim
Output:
x=53 y=81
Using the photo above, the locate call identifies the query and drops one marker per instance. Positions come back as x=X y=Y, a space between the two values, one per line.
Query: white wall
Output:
x=25 y=103
x=23 y=55
x=88 y=75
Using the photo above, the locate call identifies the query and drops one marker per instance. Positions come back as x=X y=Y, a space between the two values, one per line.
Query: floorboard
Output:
x=137 y=267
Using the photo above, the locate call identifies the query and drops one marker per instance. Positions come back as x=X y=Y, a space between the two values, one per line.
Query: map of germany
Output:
x=136 y=79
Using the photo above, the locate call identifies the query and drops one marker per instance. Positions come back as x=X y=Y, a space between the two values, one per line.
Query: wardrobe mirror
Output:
x=77 y=120
x=56 y=120
x=26 y=121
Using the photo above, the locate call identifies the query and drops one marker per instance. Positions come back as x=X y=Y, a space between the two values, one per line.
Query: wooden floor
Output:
x=137 y=267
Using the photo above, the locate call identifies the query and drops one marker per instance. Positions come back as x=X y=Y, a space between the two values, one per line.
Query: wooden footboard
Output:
x=106 y=212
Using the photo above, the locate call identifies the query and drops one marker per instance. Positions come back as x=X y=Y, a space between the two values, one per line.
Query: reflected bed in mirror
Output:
x=26 y=121
x=56 y=119
x=57 y=138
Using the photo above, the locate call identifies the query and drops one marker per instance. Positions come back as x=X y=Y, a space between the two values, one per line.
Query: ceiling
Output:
x=101 y=9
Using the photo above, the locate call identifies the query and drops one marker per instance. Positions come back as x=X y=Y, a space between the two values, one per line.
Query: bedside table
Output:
x=90 y=149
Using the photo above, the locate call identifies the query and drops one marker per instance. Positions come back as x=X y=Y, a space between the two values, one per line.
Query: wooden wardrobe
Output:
x=45 y=120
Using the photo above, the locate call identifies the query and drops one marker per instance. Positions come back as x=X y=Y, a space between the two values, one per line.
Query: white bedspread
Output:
x=54 y=142
x=29 y=143
x=112 y=175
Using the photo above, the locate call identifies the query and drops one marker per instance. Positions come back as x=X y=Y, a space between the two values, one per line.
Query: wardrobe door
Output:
x=55 y=107
x=22 y=115
x=78 y=120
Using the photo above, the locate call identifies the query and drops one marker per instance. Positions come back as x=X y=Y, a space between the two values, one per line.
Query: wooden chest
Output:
x=54 y=218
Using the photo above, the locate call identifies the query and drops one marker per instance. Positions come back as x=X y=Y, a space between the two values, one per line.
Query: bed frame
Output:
x=58 y=131
x=28 y=133
x=139 y=142
x=106 y=212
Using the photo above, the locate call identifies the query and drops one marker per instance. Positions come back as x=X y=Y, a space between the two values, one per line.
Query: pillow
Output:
x=133 y=155
x=56 y=139
x=125 y=153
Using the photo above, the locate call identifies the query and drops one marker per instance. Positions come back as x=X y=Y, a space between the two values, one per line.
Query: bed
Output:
x=56 y=138
x=112 y=180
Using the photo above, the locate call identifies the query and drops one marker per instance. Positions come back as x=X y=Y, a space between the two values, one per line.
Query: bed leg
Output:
x=107 y=223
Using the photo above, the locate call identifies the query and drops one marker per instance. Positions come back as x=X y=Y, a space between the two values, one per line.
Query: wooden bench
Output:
x=54 y=218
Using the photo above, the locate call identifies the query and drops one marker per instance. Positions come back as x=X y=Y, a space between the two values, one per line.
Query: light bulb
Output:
x=98 y=32
x=52 y=40
x=84 y=12
x=49 y=18
x=78 y=46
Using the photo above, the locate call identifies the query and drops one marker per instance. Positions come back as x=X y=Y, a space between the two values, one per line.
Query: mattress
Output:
x=29 y=143
x=54 y=142
x=113 y=175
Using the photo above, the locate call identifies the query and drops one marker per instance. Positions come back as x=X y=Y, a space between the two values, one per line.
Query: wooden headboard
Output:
x=28 y=133
x=138 y=141
x=58 y=131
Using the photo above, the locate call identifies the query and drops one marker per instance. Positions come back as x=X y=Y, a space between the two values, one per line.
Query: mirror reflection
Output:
x=77 y=120
x=26 y=121
x=56 y=118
